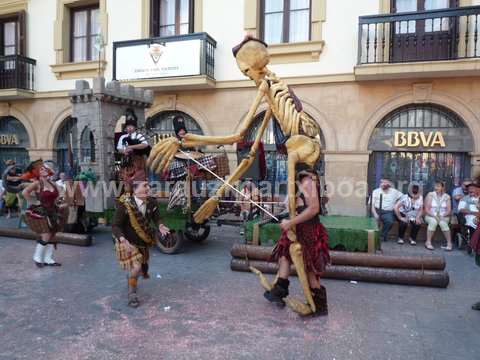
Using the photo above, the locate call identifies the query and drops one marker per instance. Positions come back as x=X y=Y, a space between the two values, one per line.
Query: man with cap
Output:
x=468 y=206
x=134 y=146
x=383 y=202
x=179 y=126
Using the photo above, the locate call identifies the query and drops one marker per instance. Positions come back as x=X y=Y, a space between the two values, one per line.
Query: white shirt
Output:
x=439 y=204
x=410 y=207
x=389 y=198
x=60 y=183
x=142 y=205
x=135 y=136
x=469 y=203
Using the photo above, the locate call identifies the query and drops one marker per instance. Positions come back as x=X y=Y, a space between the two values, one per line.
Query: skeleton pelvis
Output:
x=307 y=149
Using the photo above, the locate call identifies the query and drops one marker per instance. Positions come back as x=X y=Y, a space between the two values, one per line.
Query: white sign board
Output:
x=147 y=61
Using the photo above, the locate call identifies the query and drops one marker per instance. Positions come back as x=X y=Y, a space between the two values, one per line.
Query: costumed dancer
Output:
x=134 y=227
x=134 y=147
x=313 y=237
x=475 y=239
x=44 y=216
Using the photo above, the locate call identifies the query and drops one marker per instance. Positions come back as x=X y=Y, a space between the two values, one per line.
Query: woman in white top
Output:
x=409 y=211
x=438 y=209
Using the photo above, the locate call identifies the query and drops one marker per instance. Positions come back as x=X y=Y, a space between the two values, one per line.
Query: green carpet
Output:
x=344 y=232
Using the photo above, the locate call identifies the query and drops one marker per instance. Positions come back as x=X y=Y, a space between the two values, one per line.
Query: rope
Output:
x=230 y=186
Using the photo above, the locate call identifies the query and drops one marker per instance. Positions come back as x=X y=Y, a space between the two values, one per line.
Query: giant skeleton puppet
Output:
x=303 y=146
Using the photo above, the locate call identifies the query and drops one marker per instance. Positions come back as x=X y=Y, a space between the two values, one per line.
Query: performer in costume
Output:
x=134 y=227
x=475 y=239
x=314 y=240
x=134 y=147
x=44 y=216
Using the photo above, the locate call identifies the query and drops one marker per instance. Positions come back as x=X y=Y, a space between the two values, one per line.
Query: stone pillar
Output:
x=347 y=185
x=475 y=165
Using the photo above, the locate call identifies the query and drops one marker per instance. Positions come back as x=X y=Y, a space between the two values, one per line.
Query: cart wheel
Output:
x=170 y=244
x=197 y=233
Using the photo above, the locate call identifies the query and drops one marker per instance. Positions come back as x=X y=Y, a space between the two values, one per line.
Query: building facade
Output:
x=393 y=84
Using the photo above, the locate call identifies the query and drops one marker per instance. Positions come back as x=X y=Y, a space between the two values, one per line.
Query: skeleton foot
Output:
x=263 y=280
x=205 y=211
x=298 y=306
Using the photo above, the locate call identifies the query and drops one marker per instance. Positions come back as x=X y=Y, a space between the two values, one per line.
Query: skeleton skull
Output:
x=252 y=58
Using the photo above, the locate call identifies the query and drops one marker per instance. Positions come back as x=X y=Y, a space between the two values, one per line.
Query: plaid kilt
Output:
x=178 y=167
x=127 y=259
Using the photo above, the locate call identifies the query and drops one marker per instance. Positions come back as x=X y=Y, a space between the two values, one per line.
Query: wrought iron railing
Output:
x=447 y=34
x=206 y=58
x=17 y=72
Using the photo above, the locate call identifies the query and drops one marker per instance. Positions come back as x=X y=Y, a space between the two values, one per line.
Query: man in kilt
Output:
x=135 y=226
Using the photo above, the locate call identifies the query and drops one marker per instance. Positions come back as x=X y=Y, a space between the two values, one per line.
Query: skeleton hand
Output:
x=206 y=210
x=162 y=154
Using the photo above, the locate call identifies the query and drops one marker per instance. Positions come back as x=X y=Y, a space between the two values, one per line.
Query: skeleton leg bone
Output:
x=300 y=149
x=207 y=209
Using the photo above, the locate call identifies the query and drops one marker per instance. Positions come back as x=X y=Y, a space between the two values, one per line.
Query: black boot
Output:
x=320 y=299
x=278 y=293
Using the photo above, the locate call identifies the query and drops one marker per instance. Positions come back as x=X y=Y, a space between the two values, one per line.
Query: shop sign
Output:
x=169 y=59
x=414 y=139
x=9 y=139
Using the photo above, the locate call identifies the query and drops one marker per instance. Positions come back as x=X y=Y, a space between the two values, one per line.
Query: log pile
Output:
x=404 y=270
x=62 y=238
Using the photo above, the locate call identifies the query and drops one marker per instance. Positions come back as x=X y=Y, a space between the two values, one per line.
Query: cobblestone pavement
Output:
x=194 y=307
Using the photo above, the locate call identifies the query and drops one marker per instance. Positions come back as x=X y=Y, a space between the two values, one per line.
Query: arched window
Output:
x=87 y=146
x=14 y=142
x=66 y=148
x=276 y=162
x=161 y=124
x=421 y=143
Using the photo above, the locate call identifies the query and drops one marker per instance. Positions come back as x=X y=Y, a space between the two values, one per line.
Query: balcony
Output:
x=436 y=43
x=181 y=62
x=16 y=77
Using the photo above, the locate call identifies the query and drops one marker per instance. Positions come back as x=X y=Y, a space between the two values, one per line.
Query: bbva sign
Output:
x=419 y=138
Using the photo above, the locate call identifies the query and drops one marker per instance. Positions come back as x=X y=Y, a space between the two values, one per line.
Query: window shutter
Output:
x=22 y=33
x=154 y=17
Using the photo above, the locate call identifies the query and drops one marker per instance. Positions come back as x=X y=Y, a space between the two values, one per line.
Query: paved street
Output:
x=194 y=307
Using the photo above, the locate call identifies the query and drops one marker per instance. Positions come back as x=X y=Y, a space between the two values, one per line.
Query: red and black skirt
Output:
x=475 y=245
x=314 y=240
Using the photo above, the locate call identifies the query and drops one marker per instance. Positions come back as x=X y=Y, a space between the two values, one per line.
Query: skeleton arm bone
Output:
x=206 y=210
x=192 y=140
x=163 y=152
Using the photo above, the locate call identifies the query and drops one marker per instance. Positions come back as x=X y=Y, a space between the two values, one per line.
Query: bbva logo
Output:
x=419 y=138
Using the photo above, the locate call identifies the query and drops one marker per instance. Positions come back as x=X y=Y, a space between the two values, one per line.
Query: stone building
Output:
x=393 y=84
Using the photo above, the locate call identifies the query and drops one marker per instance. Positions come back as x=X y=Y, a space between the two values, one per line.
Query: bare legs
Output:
x=284 y=273
x=132 y=285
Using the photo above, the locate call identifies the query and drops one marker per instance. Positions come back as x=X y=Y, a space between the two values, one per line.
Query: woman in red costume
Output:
x=314 y=239
x=43 y=216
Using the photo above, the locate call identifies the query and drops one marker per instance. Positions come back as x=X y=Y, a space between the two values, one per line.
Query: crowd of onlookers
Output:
x=436 y=209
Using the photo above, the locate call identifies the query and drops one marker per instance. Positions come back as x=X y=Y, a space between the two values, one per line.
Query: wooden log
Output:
x=62 y=238
x=420 y=262
x=428 y=278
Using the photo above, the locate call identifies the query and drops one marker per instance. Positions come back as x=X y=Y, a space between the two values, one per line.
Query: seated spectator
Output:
x=2 y=193
x=457 y=195
x=468 y=206
x=438 y=209
x=382 y=203
x=409 y=211
x=249 y=192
